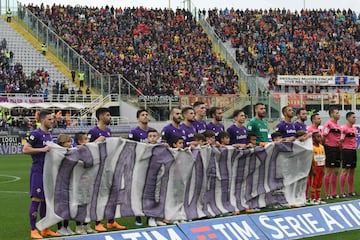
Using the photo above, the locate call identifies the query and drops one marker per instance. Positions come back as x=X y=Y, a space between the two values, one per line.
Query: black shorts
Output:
x=348 y=157
x=332 y=157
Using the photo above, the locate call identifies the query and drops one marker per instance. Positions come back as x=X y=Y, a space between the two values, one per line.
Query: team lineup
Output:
x=334 y=146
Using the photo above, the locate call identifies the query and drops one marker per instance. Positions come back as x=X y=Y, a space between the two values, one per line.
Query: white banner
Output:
x=125 y=178
x=294 y=80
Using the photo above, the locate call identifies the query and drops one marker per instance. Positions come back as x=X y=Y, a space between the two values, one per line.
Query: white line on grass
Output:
x=12 y=178
x=14 y=192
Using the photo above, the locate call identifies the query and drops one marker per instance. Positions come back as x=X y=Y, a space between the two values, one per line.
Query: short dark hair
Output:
x=314 y=134
x=275 y=135
x=78 y=136
x=313 y=116
x=175 y=139
x=348 y=114
x=185 y=110
x=139 y=112
x=283 y=110
x=101 y=111
x=209 y=133
x=250 y=134
x=44 y=113
x=199 y=137
x=237 y=112
x=197 y=103
x=212 y=111
x=300 y=133
x=152 y=130
x=258 y=104
x=223 y=134
x=299 y=110
x=332 y=109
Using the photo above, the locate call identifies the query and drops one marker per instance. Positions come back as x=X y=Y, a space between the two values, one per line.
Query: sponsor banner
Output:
x=296 y=100
x=346 y=80
x=293 y=80
x=285 y=224
x=224 y=101
x=309 y=221
x=158 y=233
x=10 y=145
x=158 y=99
x=19 y=99
x=125 y=178
x=237 y=227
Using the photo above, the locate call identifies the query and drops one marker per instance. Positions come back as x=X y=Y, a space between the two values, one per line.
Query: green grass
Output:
x=15 y=201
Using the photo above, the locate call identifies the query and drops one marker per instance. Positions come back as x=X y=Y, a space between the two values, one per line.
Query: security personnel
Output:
x=81 y=78
x=9 y=119
x=8 y=15
x=44 y=48
x=7 y=56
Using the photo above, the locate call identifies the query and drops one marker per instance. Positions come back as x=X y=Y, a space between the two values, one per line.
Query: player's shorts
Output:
x=36 y=185
x=332 y=157
x=348 y=157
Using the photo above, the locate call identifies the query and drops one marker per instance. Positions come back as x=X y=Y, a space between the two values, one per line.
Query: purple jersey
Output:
x=96 y=132
x=215 y=128
x=300 y=126
x=37 y=139
x=200 y=127
x=189 y=133
x=169 y=131
x=237 y=135
x=139 y=135
x=286 y=129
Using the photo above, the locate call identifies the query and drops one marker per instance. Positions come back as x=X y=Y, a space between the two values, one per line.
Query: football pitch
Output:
x=15 y=201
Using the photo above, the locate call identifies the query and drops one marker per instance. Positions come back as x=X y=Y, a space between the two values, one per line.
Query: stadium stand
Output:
x=310 y=42
x=31 y=60
x=159 y=51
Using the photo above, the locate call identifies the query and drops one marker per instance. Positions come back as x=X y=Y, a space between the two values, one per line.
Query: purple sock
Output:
x=42 y=209
x=33 y=214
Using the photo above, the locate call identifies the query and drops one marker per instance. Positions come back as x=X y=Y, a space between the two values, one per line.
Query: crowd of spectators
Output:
x=160 y=51
x=13 y=79
x=309 y=42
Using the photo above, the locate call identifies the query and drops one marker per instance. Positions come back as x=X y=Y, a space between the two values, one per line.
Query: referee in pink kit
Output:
x=348 y=155
x=332 y=139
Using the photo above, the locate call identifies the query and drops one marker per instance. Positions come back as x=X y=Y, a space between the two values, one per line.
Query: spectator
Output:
x=158 y=52
x=309 y=42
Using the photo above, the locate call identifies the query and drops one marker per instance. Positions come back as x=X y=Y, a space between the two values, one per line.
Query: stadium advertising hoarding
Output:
x=171 y=232
x=10 y=145
x=296 y=100
x=22 y=99
x=294 y=80
x=224 y=101
x=157 y=99
x=285 y=224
